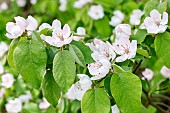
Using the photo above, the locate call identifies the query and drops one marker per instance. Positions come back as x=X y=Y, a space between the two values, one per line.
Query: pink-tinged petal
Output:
x=96 y=56
x=97 y=41
x=117 y=49
x=50 y=40
x=44 y=26
x=115 y=109
x=162 y=28
x=165 y=72
x=71 y=93
x=148 y=74
x=155 y=15
x=66 y=31
x=21 y=22
x=164 y=20
x=59 y=44
x=9 y=25
x=81 y=31
x=93 y=69
x=68 y=40
x=97 y=77
x=150 y=25
x=10 y=36
x=92 y=47
x=122 y=58
x=127 y=29
x=56 y=24
x=32 y=23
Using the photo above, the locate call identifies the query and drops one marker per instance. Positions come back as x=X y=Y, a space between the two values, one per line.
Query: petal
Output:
x=150 y=25
x=155 y=15
x=81 y=31
x=93 y=68
x=121 y=58
x=164 y=20
x=21 y=22
x=66 y=31
x=56 y=24
x=71 y=93
x=32 y=23
x=44 y=26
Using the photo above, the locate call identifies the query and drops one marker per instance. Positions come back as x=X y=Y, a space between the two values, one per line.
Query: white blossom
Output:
x=148 y=74
x=3 y=6
x=63 y=5
x=14 y=106
x=60 y=37
x=156 y=23
x=136 y=16
x=123 y=31
x=80 y=31
x=21 y=3
x=26 y=97
x=7 y=80
x=100 y=68
x=96 y=12
x=78 y=89
x=117 y=18
x=3 y=49
x=115 y=109
x=165 y=72
x=33 y=2
x=44 y=104
x=80 y=3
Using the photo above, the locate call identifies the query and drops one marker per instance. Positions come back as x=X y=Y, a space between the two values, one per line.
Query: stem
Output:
x=138 y=65
x=161 y=96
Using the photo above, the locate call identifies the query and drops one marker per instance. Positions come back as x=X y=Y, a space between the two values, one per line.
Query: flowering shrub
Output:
x=89 y=56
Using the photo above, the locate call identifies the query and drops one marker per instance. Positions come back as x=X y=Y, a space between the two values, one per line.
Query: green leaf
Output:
x=117 y=68
x=95 y=101
x=50 y=110
x=155 y=4
x=108 y=3
x=126 y=89
x=140 y=36
x=64 y=70
x=77 y=55
x=50 y=89
x=36 y=36
x=142 y=52
x=104 y=23
x=13 y=45
x=162 y=47
x=85 y=50
x=30 y=61
x=31 y=108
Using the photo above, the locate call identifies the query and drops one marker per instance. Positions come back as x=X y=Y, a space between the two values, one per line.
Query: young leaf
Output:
x=85 y=50
x=117 y=68
x=50 y=89
x=126 y=89
x=30 y=61
x=95 y=101
x=162 y=47
x=77 y=55
x=140 y=35
x=13 y=45
x=143 y=52
x=64 y=70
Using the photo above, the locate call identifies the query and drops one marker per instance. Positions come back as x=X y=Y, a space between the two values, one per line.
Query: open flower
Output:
x=7 y=80
x=1 y=68
x=165 y=72
x=80 y=31
x=100 y=68
x=26 y=97
x=78 y=89
x=103 y=48
x=136 y=16
x=148 y=74
x=3 y=49
x=80 y=3
x=96 y=12
x=126 y=50
x=115 y=109
x=44 y=104
x=32 y=23
x=14 y=106
x=63 y=5
x=21 y=3
x=3 y=6
x=60 y=37
x=156 y=23
x=123 y=31
x=117 y=18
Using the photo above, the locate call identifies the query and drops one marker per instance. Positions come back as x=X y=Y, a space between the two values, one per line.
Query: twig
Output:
x=136 y=68
x=161 y=96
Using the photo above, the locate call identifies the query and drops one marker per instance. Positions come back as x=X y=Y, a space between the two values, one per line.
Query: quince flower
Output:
x=115 y=109
x=3 y=6
x=44 y=104
x=78 y=89
x=26 y=97
x=63 y=4
x=148 y=74
x=156 y=23
x=165 y=72
x=14 y=106
x=136 y=16
x=96 y=12
x=7 y=80
x=103 y=48
x=100 y=68
x=117 y=18
x=126 y=50
x=3 y=49
x=80 y=3
x=21 y=3
x=80 y=31
x=60 y=37
x=123 y=31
